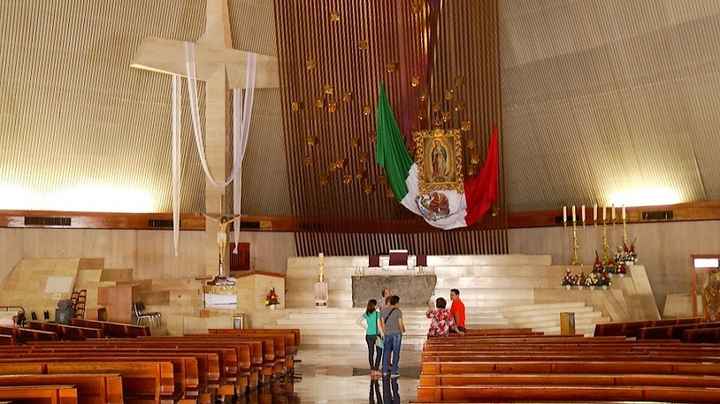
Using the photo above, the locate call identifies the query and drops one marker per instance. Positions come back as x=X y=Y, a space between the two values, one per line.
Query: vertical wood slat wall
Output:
x=396 y=33
x=489 y=241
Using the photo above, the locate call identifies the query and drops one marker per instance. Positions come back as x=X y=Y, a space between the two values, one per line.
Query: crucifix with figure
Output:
x=222 y=68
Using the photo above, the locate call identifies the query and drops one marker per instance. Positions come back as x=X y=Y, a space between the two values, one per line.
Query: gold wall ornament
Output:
x=368 y=188
x=439 y=158
x=445 y=116
x=328 y=89
x=347 y=179
x=470 y=144
x=417 y=6
x=465 y=126
x=391 y=67
x=355 y=141
x=334 y=17
x=415 y=81
x=310 y=64
x=459 y=106
x=363 y=44
x=319 y=103
x=340 y=164
x=449 y=95
x=311 y=140
x=361 y=175
x=347 y=96
x=323 y=179
x=366 y=110
x=423 y=97
x=363 y=157
x=296 y=106
x=307 y=160
x=436 y=107
x=332 y=106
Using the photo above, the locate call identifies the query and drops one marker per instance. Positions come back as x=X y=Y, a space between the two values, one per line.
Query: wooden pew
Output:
x=113 y=329
x=632 y=328
x=91 y=388
x=51 y=394
x=185 y=370
x=142 y=380
x=570 y=379
x=672 y=331
x=7 y=339
x=702 y=335
x=508 y=368
x=203 y=384
x=573 y=393
x=28 y=334
x=291 y=335
x=66 y=332
x=235 y=375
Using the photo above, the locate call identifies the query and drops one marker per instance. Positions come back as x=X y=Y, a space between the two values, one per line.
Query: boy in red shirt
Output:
x=457 y=309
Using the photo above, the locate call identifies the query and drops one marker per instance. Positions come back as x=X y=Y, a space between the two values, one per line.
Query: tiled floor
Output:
x=339 y=375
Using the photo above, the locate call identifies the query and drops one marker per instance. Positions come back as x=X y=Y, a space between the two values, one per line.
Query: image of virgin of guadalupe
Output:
x=439 y=157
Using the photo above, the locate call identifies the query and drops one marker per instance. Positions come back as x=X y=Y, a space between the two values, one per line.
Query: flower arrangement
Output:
x=570 y=279
x=271 y=299
x=626 y=255
x=586 y=280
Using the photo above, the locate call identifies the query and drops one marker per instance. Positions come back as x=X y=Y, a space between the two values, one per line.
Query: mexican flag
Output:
x=445 y=209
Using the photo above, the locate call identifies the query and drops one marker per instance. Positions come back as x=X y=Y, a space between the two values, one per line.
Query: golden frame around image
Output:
x=439 y=158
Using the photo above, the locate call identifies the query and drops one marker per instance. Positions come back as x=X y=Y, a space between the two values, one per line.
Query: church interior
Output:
x=351 y=201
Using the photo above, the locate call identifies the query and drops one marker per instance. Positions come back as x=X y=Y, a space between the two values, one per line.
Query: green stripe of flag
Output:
x=390 y=150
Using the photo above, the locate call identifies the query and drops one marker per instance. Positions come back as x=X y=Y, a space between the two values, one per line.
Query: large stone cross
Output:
x=221 y=67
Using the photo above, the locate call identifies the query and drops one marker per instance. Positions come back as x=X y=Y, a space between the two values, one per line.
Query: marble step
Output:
x=479 y=284
x=445 y=272
x=534 y=314
x=555 y=319
x=542 y=307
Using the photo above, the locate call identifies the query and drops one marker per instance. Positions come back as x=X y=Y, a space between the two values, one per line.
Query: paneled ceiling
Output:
x=599 y=98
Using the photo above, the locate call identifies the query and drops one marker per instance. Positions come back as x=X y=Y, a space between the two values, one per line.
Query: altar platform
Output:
x=498 y=291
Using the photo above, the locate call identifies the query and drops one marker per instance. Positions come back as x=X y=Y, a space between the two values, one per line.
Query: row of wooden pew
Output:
x=538 y=368
x=187 y=369
x=78 y=329
x=686 y=329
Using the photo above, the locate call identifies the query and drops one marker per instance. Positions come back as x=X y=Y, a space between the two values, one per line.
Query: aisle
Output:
x=338 y=375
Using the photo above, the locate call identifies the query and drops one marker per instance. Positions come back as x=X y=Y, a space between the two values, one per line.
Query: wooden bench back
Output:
x=113 y=329
x=51 y=394
x=67 y=332
x=91 y=388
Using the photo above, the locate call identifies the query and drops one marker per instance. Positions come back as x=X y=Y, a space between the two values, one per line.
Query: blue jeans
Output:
x=392 y=347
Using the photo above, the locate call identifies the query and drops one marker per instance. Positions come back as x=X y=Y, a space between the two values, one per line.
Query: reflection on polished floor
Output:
x=337 y=375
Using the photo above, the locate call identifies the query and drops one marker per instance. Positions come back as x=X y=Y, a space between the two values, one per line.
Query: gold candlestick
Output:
x=575 y=260
x=606 y=247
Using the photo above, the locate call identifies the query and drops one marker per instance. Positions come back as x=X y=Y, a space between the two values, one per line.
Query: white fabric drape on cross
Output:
x=176 y=163
x=241 y=131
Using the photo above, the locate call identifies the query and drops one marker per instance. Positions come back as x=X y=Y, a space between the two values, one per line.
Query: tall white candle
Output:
x=623 y=212
x=564 y=214
x=612 y=212
x=573 y=214
x=594 y=212
x=582 y=213
x=604 y=213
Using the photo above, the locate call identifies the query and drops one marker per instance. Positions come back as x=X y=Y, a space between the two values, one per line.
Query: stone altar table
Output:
x=414 y=289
